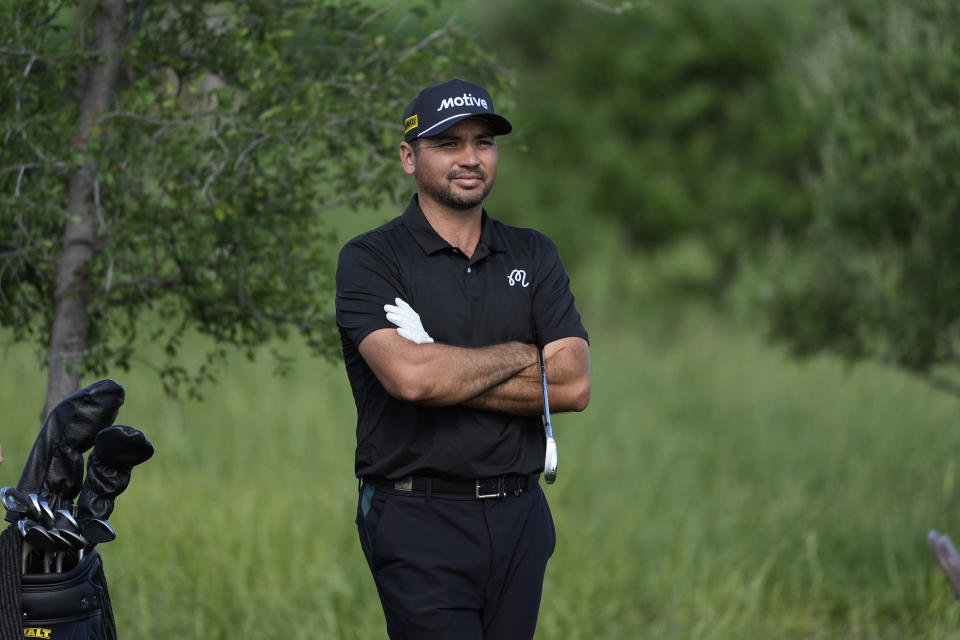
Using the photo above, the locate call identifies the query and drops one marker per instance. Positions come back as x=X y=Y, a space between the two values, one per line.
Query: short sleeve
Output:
x=367 y=279
x=555 y=314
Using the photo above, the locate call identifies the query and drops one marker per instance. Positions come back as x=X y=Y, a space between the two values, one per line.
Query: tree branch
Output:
x=26 y=72
x=50 y=17
x=250 y=147
x=16 y=52
x=116 y=290
x=197 y=115
x=426 y=41
x=376 y=14
x=21 y=167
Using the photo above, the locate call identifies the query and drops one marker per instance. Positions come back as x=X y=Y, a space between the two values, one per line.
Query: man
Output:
x=442 y=313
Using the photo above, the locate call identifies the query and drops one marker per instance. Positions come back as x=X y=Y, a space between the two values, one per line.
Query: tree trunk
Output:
x=68 y=335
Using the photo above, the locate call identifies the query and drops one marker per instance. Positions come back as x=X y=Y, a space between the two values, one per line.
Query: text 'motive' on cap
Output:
x=441 y=106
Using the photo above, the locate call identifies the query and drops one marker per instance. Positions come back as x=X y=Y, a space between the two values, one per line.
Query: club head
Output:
x=550 y=461
x=76 y=540
x=13 y=500
x=97 y=530
x=61 y=543
x=36 y=511
x=46 y=514
x=38 y=538
x=64 y=520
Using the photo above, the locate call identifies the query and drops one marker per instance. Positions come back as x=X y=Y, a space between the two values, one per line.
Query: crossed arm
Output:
x=503 y=377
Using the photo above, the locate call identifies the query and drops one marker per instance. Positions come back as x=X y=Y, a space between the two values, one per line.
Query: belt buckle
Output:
x=499 y=491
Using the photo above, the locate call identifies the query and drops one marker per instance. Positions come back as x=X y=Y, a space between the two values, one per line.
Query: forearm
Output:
x=453 y=375
x=567 y=365
x=520 y=395
x=438 y=374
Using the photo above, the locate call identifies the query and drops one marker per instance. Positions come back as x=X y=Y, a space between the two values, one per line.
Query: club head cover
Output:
x=54 y=467
x=100 y=488
x=122 y=447
x=117 y=450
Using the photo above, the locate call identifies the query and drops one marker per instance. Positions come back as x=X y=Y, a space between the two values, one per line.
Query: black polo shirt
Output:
x=513 y=288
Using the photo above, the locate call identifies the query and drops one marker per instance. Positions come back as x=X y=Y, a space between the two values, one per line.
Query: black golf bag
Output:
x=52 y=583
x=73 y=605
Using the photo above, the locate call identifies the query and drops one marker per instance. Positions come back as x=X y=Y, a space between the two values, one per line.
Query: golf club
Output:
x=36 y=511
x=97 y=530
x=38 y=537
x=26 y=548
x=46 y=514
x=550 y=459
x=63 y=519
x=76 y=540
x=16 y=504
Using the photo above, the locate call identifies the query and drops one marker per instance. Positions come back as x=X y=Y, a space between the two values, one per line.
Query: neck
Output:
x=461 y=228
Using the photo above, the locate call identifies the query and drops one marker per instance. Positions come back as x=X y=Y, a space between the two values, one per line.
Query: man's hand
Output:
x=408 y=322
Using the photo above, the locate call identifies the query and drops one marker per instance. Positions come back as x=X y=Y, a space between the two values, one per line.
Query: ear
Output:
x=407 y=158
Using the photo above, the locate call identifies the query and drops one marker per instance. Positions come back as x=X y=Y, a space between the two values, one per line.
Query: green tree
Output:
x=672 y=120
x=164 y=167
x=877 y=275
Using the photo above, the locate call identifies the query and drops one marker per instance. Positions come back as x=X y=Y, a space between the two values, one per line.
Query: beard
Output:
x=444 y=194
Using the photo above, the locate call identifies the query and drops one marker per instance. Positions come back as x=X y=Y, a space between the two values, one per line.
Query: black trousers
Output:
x=454 y=567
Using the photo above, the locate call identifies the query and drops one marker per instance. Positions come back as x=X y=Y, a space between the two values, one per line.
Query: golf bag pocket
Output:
x=64 y=606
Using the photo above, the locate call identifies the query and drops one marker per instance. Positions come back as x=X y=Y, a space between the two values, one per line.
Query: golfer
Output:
x=442 y=313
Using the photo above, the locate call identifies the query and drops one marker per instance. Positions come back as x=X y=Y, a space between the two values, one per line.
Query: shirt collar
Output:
x=431 y=242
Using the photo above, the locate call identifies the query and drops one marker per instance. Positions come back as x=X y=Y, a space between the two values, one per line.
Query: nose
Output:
x=469 y=157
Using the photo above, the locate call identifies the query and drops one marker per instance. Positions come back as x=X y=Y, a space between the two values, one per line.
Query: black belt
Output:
x=481 y=488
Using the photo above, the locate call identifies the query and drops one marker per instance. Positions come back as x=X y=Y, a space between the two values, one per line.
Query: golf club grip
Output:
x=546 y=397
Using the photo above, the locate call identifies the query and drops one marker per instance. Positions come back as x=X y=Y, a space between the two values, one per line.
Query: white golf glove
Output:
x=408 y=322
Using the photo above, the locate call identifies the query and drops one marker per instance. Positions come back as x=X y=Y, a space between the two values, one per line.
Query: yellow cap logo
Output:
x=410 y=123
x=36 y=632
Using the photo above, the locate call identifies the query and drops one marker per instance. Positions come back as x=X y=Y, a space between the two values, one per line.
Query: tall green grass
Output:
x=713 y=489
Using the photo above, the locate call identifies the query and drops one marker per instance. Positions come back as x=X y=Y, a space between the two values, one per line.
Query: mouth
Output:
x=468 y=180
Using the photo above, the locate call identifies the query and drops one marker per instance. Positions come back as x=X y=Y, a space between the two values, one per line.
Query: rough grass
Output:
x=713 y=489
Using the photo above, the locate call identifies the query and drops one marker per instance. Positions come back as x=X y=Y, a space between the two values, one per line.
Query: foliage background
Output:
x=714 y=174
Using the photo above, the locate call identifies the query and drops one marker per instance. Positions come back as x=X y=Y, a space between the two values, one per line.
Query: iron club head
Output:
x=550 y=461
x=38 y=538
x=46 y=514
x=76 y=540
x=63 y=519
x=14 y=500
x=33 y=501
x=97 y=530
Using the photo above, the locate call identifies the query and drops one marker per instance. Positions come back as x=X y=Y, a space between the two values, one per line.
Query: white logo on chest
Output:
x=518 y=276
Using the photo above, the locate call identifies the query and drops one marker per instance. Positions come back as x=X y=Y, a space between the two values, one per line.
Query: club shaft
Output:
x=546 y=397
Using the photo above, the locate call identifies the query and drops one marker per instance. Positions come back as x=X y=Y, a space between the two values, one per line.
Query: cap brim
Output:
x=501 y=126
